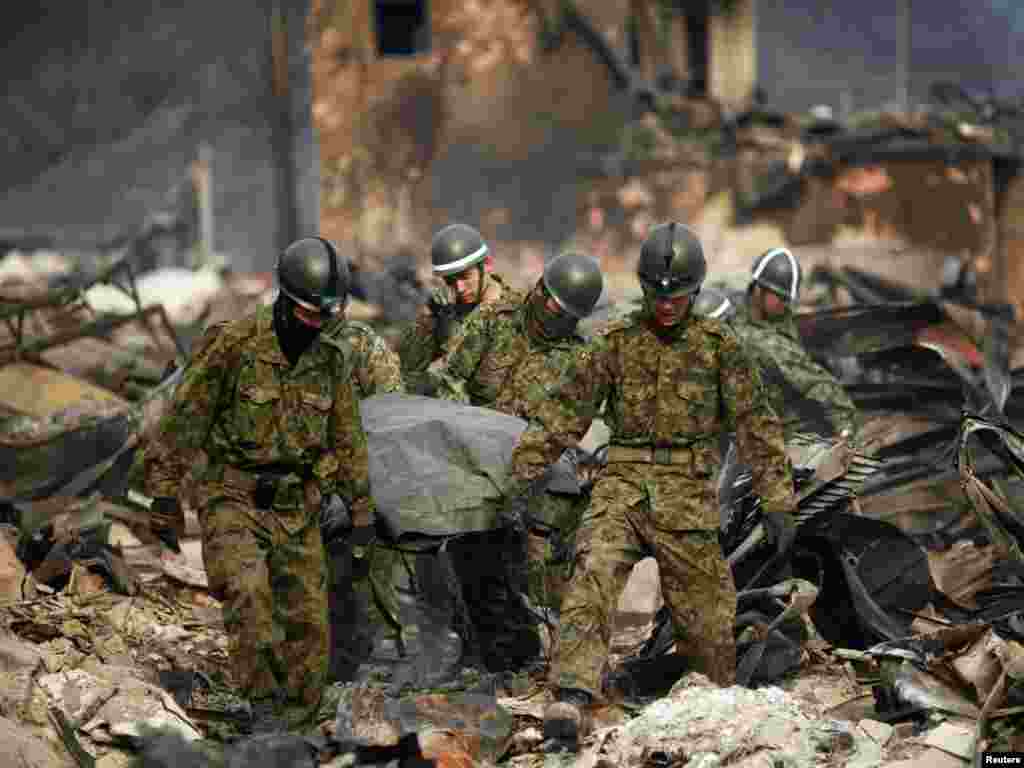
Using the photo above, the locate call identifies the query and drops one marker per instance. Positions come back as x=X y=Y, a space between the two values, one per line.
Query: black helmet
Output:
x=779 y=271
x=575 y=281
x=671 y=261
x=312 y=274
x=715 y=304
x=456 y=248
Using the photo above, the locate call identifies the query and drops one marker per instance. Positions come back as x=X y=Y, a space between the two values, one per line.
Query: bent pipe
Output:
x=870 y=614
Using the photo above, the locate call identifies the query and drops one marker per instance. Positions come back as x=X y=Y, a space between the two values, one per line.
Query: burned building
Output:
x=111 y=104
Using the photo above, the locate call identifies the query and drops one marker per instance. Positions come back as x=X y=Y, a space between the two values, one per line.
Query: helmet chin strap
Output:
x=480 y=287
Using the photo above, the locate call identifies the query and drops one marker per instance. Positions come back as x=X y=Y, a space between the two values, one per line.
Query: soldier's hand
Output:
x=782 y=530
x=515 y=509
x=444 y=320
x=167 y=521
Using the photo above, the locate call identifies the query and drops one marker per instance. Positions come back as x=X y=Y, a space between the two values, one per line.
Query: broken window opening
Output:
x=698 y=50
x=402 y=26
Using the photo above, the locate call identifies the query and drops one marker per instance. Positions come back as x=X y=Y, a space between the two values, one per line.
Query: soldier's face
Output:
x=769 y=304
x=465 y=286
x=671 y=310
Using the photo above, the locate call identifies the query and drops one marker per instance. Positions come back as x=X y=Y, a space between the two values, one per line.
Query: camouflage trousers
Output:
x=616 y=533
x=549 y=568
x=272 y=583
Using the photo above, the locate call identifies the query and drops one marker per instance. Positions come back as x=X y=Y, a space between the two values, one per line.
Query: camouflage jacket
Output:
x=498 y=362
x=376 y=368
x=244 y=405
x=419 y=346
x=681 y=392
x=805 y=396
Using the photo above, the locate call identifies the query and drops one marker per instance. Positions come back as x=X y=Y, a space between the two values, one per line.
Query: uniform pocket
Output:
x=706 y=461
x=698 y=403
x=256 y=409
x=639 y=399
x=308 y=423
x=316 y=401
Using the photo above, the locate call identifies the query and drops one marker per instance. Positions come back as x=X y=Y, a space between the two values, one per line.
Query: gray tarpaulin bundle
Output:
x=438 y=468
x=438 y=471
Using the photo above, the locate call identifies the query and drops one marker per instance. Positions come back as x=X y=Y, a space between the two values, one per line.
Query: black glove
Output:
x=444 y=317
x=514 y=518
x=781 y=529
x=335 y=521
x=167 y=521
x=514 y=512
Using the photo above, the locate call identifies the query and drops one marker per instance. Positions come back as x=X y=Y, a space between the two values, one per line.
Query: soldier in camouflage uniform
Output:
x=461 y=258
x=508 y=356
x=273 y=406
x=804 y=395
x=362 y=578
x=672 y=383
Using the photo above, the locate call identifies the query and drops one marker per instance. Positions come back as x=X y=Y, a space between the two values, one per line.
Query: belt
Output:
x=649 y=454
x=262 y=485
